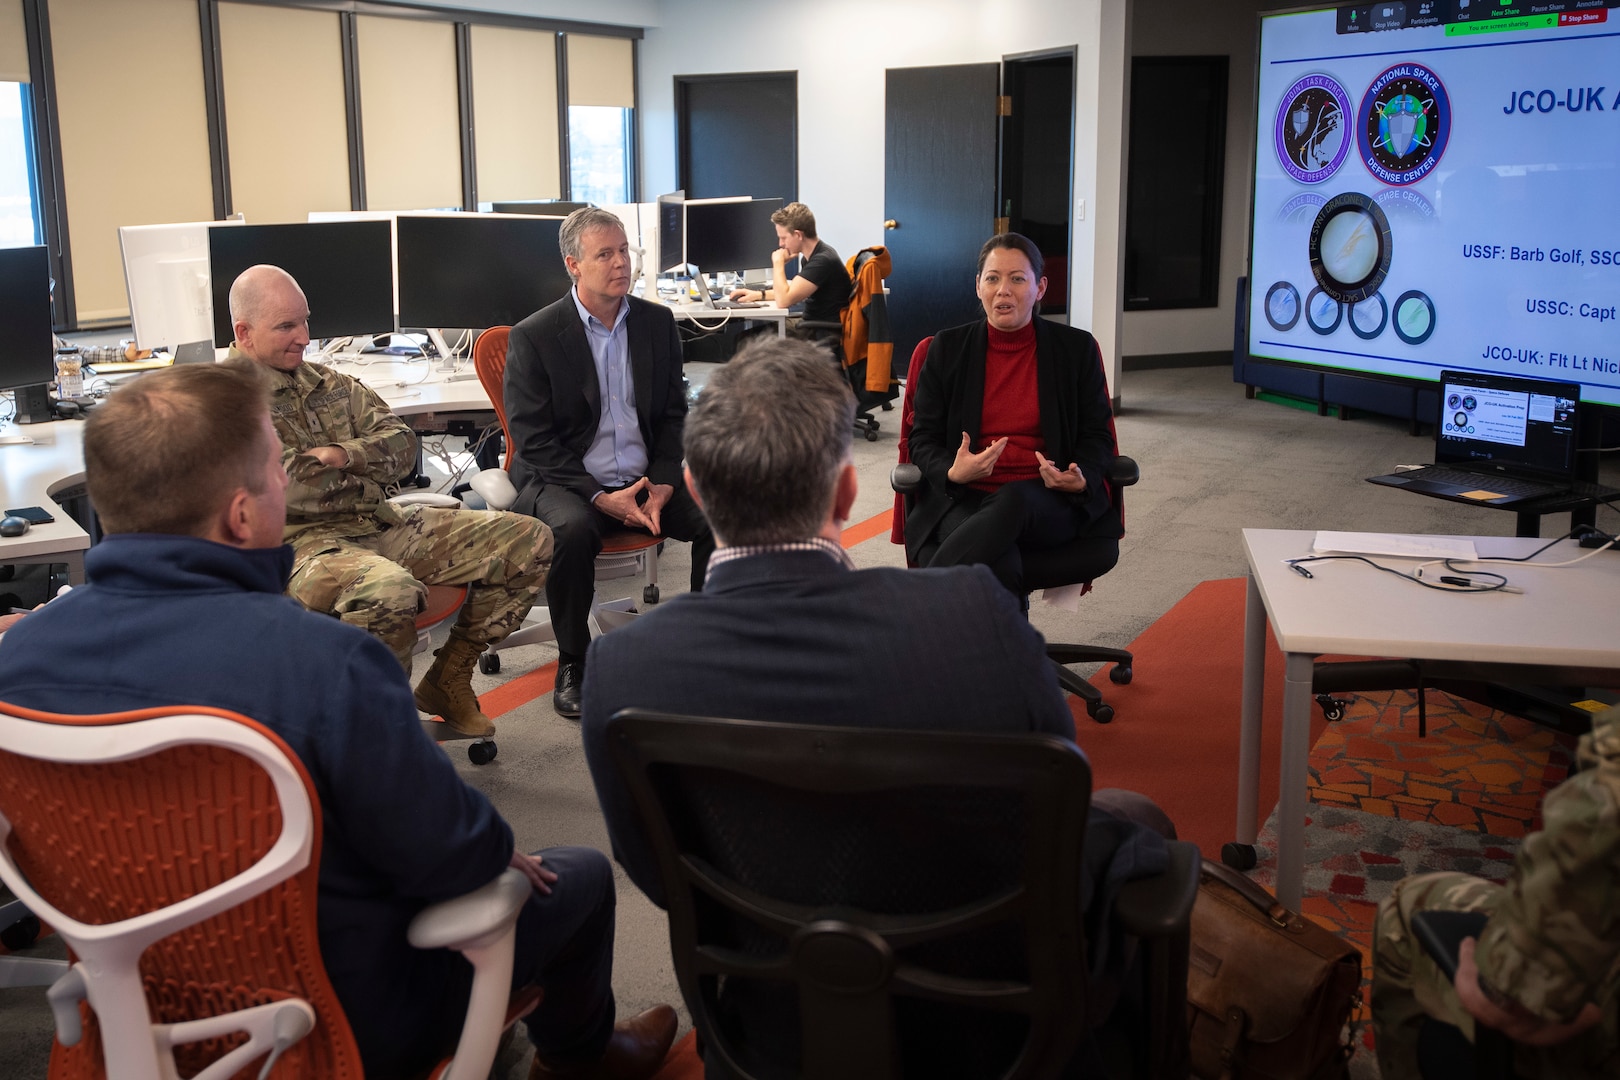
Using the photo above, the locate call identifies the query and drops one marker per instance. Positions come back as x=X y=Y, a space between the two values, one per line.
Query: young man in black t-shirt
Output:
x=822 y=285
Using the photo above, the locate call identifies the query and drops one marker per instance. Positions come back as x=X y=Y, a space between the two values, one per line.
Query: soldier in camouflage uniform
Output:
x=358 y=556
x=1546 y=969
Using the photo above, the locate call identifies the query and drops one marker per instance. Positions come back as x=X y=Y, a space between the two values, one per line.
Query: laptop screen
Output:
x=1517 y=425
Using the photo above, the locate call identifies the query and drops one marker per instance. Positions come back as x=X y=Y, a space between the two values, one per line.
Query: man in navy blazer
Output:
x=787 y=630
x=595 y=404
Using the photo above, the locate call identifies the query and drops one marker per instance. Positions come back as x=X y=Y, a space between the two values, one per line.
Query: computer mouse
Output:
x=13 y=525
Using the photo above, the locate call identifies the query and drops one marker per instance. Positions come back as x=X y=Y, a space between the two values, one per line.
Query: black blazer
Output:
x=1077 y=422
x=553 y=405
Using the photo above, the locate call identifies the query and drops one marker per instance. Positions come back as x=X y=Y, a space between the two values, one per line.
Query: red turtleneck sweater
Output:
x=1011 y=407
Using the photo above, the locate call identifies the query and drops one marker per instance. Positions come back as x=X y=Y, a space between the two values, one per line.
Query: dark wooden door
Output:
x=738 y=135
x=939 y=182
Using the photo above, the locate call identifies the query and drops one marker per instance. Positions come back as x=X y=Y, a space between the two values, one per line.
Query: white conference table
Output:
x=1563 y=628
x=33 y=474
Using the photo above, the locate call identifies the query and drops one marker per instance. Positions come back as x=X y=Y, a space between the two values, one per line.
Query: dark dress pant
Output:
x=989 y=528
x=564 y=945
x=576 y=532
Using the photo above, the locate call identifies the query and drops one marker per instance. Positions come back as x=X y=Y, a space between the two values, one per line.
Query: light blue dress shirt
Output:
x=618 y=454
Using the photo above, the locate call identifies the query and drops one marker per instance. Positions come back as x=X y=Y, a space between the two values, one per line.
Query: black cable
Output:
x=1449 y=585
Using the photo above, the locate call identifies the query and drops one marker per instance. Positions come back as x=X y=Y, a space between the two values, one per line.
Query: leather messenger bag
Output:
x=1269 y=992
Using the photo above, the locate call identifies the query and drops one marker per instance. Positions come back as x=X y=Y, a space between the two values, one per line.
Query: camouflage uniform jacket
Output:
x=1554 y=942
x=312 y=406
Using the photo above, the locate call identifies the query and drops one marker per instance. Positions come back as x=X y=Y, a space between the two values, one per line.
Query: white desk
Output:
x=702 y=316
x=32 y=475
x=1565 y=627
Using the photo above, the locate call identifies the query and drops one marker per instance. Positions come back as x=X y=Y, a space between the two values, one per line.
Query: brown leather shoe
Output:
x=636 y=1050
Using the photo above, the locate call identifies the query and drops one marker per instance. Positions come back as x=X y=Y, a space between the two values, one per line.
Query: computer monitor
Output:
x=171 y=302
x=671 y=231
x=540 y=207
x=477 y=270
x=730 y=234
x=344 y=267
x=27 y=347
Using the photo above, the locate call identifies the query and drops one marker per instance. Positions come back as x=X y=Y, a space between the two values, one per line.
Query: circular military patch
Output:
x=1350 y=247
x=1312 y=135
x=1403 y=124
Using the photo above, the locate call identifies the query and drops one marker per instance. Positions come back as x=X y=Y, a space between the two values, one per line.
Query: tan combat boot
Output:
x=446 y=690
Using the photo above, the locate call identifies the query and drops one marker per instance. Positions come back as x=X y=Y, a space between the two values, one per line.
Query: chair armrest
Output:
x=905 y=478
x=1161 y=905
x=494 y=487
x=463 y=922
x=426 y=498
x=1123 y=472
x=483 y=926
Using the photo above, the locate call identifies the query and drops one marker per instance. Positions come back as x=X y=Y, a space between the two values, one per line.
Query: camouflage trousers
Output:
x=1408 y=988
x=379 y=582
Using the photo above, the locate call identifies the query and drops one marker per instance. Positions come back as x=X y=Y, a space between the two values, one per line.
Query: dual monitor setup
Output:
x=374 y=272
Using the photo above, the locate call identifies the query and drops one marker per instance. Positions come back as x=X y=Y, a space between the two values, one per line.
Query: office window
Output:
x=601 y=93
x=134 y=142
x=514 y=82
x=288 y=137
x=410 y=113
x=19 y=216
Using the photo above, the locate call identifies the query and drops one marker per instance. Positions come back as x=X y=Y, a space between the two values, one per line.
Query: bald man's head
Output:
x=270 y=317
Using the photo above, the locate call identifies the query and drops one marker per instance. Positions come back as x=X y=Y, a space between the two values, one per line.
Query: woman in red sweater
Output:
x=1013 y=429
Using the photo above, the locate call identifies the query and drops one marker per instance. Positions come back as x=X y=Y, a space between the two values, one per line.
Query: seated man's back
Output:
x=787 y=630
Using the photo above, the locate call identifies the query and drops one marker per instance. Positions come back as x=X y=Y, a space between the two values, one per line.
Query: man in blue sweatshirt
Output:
x=185 y=605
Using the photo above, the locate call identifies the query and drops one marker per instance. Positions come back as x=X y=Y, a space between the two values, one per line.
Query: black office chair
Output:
x=1444 y=1052
x=862 y=904
x=1084 y=559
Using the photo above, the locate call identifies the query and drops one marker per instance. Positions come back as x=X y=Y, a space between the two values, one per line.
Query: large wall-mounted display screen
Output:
x=1435 y=190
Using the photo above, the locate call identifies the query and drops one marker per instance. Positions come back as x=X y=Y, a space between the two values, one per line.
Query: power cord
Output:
x=1459 y=581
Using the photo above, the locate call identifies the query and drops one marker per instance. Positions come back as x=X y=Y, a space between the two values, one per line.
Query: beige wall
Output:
x=134 y=136
x=287 y=135
x=13 y=45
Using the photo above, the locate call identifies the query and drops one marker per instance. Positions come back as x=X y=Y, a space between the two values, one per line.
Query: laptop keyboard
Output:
x=1502 y=485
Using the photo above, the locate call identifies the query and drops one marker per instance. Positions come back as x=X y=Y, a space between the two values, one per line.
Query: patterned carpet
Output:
x=1386 y=804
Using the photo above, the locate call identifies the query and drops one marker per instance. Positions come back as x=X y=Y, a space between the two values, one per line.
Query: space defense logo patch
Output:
x=1312 y=128
x=1403 y=124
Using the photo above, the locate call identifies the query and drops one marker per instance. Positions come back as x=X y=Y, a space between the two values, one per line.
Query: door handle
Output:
x=891 y=224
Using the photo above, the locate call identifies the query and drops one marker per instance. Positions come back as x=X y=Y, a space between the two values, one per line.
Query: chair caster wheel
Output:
x=1120 y=673
x=649 y=595
x=482 y=753
x=871 y=435
x=1238 y=856
x=489 y=663
x=1101 y=713
x=21 y=934
x=1332 y=707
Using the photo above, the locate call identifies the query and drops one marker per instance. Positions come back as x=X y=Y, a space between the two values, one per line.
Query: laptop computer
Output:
x=1500 y=440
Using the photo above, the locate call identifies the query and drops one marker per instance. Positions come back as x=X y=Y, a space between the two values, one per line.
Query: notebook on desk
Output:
x=1500 y=440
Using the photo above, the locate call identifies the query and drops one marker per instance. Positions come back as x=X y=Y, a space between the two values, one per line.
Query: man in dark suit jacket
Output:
x=595 y=405
x=787 y=630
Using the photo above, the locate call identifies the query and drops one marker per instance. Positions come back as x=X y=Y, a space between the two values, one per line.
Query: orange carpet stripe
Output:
x=519 y=691
x=865 y=530
x=525 y=688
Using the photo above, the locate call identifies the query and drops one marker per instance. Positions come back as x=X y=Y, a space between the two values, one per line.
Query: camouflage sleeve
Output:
x=1555 y=940
x=340 y=411
x=383 y=447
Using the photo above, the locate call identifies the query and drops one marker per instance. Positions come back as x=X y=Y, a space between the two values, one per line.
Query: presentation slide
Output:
x=1435 y=189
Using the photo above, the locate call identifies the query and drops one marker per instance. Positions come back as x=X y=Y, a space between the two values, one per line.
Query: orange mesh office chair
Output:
x=1079 y=562
x=176 y=851
x=624 y=551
